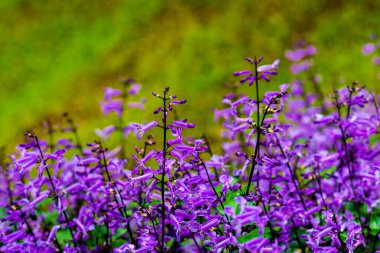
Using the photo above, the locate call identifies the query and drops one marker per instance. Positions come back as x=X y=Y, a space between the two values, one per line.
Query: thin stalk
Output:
x=347 y=156
x=121 y=205
x=140 y=173
x=273 y=234
x=214 y=190
x=121 y=120
x=376 y=107
x=196 y=243
x=297 y=236
x=318 y=92
x=257 y=147
x=59 y=247
x=257 y=93
x=51 y=136
x=7 y=179
x=30 y=230
x=154 y=226
x=53 y=186
x=374 y=244
x=344 y=247
x=320 y=189
x=325 y=205
x=74 y=130
x=349 y=103
x=256 y=153
x=209 y=150
x=108 y=238
x=164 y=149
x=293 y=176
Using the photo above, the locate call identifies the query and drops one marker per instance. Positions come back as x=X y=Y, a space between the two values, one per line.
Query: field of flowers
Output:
x=298 y=171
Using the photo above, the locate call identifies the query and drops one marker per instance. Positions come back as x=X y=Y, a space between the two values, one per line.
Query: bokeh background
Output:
x=57 y=56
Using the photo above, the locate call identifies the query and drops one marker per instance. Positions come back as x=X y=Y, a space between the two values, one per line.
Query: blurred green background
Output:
x=57 y=56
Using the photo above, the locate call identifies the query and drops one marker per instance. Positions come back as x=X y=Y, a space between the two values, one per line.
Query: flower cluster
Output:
x=372 y=48
x=296 y=173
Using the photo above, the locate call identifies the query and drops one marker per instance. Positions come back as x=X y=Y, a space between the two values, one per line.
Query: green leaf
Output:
x=231 y=202
x=51 y=217
x=326 y=173
x=374 y=139
x=97 y=236
x=3 y=212
x=63 y=235
x=374 y=224
x=117 y=242
x=254 y=234
x=120 y=232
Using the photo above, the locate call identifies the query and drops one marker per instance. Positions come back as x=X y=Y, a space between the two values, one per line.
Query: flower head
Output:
x=261 y=72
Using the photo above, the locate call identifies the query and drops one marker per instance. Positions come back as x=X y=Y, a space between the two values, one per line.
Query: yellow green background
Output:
x=57 y=56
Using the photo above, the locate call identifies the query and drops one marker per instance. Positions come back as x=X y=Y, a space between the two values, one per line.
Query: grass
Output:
x=57 y=56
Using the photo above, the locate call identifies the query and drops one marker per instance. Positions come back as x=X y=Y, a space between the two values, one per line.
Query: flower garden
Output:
x=299 y=172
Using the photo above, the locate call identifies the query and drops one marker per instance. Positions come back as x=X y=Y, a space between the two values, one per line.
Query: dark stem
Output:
x=257 y=147
x=297 y=236
x=154 y=226
x=374 y=243
x=54 y=189
x=376 y=106
x=164 y=147
x=320 y=188
x=30 y=230
x=140 y=173
x=256 y=153
x=195 y=241
x=292 y=173
x=51 y=136
x=209 y=150
x=273 y=234
x=45 y=165
x=107 y=235
x=74 y=130
x=56 y=242
x=121 y=206
x=121 y=121
x=68 y=225
x=318 y=92
x=214 y=190
x=347 y=156
x=349 y=102
x=344 y=247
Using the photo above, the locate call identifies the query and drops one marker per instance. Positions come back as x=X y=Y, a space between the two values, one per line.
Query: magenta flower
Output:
x=105 y=132
x=114 y=105
x=134 y=89
x=109 y=93
x=142 y=128
x=262 y=72
x=300 y=53
x=368 y=48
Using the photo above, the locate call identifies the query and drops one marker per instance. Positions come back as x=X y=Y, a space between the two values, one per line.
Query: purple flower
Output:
x=112 y=106
x=105 y=132
x=143 y=177
x=376 y=60
x=300 y=67
x=134 y=89
x=139 y=105
x=142 y=128
x=109 y=93
x=207 y=225
x=368 y=48
x=263 y=72
x=226 y=182
x=300 y=53
x=182 y=124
